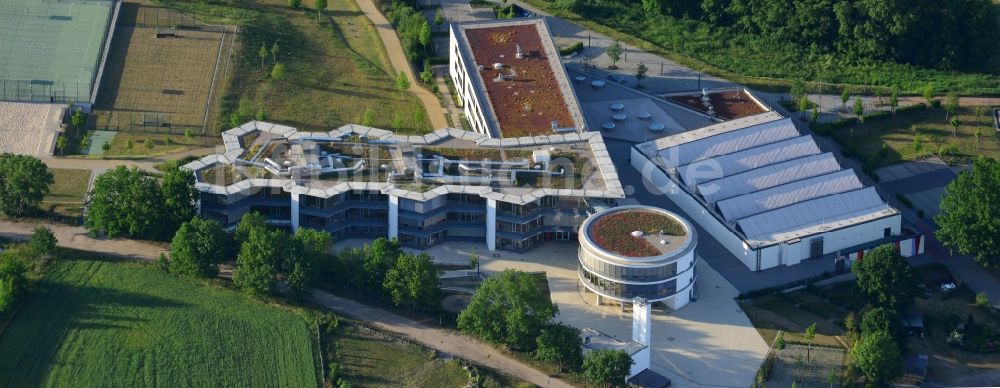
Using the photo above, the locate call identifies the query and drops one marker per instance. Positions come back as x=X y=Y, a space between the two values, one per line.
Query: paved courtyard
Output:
x=708 y=342
x=922 y=181
x=28 y=128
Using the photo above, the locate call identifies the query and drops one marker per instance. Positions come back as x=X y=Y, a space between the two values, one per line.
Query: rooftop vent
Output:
x=637 y=233
x=520 y=53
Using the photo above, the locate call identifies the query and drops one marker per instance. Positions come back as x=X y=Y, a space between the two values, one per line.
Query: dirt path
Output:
x=435 y=112
x=439 y=339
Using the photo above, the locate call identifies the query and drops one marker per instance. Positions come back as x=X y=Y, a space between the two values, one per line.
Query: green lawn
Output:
x=67 y=192
x=101 y=324
x=891 y=141
x=368 y=361
x=336 y=69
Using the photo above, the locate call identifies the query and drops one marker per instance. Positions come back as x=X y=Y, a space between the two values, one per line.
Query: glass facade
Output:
x=629 y=291
x=630 y=274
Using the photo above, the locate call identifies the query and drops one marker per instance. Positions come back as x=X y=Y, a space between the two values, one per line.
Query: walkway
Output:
x=439 y=339
x=394 y=49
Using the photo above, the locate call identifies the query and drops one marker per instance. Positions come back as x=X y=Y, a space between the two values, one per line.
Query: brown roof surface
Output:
x=527 y=104
x=732 y=104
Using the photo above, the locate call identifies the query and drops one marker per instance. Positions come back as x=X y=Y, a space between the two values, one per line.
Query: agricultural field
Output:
x=110 y=323
x=67 y=192
x=894 y=139
x=336 y=68
x=165 y=84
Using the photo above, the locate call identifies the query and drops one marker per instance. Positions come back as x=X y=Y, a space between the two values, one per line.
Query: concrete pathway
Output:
x=439 y=339
x=394 y=48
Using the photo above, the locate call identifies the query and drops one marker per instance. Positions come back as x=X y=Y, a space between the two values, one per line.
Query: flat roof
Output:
x=51 y=48
x=355 y=157
x=528 y=94
x=594 y=339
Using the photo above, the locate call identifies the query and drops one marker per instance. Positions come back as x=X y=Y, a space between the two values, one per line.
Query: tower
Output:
x=641 y=321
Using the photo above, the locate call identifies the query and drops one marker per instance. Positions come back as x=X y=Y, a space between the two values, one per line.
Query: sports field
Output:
x=116 y=324
x=50 y=49
x=165 y=84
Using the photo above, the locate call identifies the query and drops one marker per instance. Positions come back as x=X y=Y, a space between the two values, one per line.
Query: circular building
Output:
x=638 y=251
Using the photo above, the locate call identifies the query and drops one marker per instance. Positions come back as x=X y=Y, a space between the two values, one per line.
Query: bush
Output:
x=42 y=242
x=876 y=116
x=909 y=109
x=480 y=4
x=936 y=104
x=438 y=60
x=824 y=129
x=982 y=299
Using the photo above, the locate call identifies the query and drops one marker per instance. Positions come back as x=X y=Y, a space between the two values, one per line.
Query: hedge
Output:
x=480 y=4
x=825 y=128
x=575 y=48
x=876 y=116
x=911 y=109
x=438 y=60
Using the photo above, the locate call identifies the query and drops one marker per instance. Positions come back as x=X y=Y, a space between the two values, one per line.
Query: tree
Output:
x=439 y=17
x=379 y=258
x=560 y=344
x=261 y=114
x=640 y=74
x=606 y=367
x=779 y=341
x=257 y=264
x=263 y=53
x=877 y=319
x=42 y=242
x=197 y=248
x=295 y=3
x=309 y=246
x=250 y=222
x=877 y=357
x=859 y=108
x=278 y=72
x=978 y=134
x=424 y=36
x=369 y=118
x=189 y=135
x=803 y=106
x=167 y=140
x=970 y=213
x=61 y=143
x=78 y=119
x=24 y=182
x=954 y=126
x=129 y=145
x=508 y=308
x=798 y=91
x=320 y=6
x=651 y=9
x=614 y=53
x=148 y=143
x=928 y=93
x=980 y=111
x=412 y=281
x=106 y=146
x=13 y=279
x=402 y=83
x=426 y=76
x=125 y=202
x=844 y=97
x=809 y=335
x=886 y=277
x=851 y=328
x=179 y=198
x=274 y=52
x=894 y=98
x=950 y=104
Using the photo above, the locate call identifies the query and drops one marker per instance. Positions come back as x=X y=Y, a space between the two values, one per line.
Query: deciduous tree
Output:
x=560 y=344
x=402 y=83
x=278 y=72
x=257 y=264
x=606 y=367
x=379 y=258
x=198 y=247
x=640 y=74
x=412 y=281
x=24 y=182
x=42 y=242
x=179 y=197
x=508 y=308
x=886 y=277
x=950 y=104
x=250 y=222
x=320 y=6
x=970 y=213
x=878 y=357
x=614 y=52
x=125 y=202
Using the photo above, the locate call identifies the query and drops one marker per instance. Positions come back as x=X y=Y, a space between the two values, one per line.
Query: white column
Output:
x=393 y=217
x=295 y=212
x=491 y=224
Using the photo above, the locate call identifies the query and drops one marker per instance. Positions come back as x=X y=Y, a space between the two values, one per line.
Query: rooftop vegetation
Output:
x=613 y=232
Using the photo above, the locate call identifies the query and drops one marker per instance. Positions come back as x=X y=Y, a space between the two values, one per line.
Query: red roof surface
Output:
x=526 y=104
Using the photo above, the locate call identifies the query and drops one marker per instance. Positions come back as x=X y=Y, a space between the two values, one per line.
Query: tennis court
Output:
x=51 y=49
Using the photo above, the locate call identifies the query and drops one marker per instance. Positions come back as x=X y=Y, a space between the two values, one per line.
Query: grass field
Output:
x=171 y=76
x=369 y=361
x=119 y=145
x=102 y=324
x=67 y=192
x=937 y=136
x=336 y=69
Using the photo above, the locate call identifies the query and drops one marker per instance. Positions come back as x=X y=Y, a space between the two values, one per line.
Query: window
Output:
x=886 y=232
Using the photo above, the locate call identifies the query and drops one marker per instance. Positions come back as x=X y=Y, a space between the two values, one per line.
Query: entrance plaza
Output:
x=710 y=342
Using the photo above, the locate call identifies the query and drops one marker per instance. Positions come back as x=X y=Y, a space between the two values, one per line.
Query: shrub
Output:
x=876 y=116
x=573 y=49
x=936 y=104
x=982 y=299
x=911 y=109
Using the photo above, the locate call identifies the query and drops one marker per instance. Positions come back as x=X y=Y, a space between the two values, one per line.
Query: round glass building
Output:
x=638 y=251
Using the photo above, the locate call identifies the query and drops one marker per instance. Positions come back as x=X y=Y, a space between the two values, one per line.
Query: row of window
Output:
x=633 y=274
x=629 y=291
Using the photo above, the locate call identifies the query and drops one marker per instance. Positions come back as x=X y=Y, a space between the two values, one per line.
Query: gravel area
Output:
x=25 y=128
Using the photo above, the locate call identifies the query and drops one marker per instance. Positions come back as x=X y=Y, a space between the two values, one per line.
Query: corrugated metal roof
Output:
x=803 y=215
x=728 y=142
x=768 y=176
x=747 y=159
x=788 y=194
x=715 y=129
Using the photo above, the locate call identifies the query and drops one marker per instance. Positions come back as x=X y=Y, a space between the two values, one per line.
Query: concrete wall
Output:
x=458 y=68
x=641 y=362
